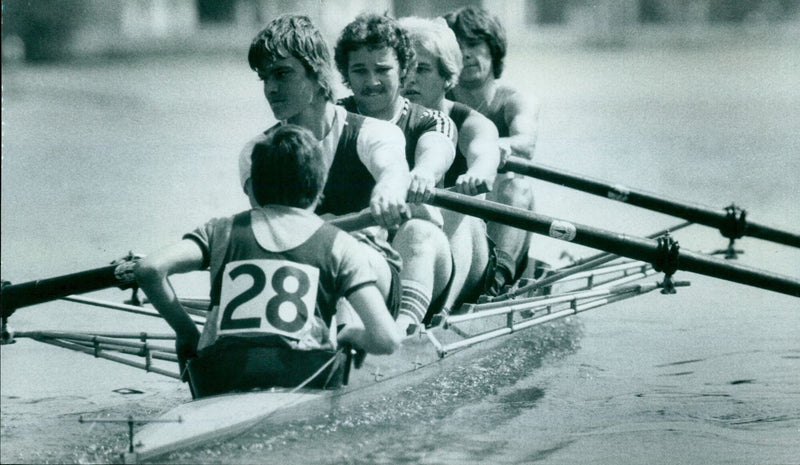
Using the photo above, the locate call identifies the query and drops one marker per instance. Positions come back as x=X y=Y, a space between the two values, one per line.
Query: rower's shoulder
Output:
x=260 y=137
x=374 y=128
x=510 y=95
x=418 y=111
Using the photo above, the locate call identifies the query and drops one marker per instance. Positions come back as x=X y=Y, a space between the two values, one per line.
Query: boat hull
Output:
x=212 y=418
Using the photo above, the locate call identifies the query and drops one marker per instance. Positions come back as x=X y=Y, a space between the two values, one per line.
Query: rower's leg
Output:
x=511 y=244
x=427 y=266
x=470 y=249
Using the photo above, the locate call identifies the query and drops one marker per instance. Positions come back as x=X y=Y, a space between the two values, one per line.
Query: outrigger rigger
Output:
x=588 y=284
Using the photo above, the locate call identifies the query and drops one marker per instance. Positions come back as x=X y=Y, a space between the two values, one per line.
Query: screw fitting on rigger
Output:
x=667 y=261
x=734 y=227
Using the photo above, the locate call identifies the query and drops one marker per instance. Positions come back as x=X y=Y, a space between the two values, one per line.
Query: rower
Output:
x=277 y=271
x=364 y=156
x=483 y=45
x=435 y=70
x=373 y=54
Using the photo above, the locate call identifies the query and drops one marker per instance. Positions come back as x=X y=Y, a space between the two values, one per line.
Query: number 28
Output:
x=273 y=307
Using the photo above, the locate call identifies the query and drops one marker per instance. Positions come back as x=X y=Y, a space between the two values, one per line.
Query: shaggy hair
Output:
x=374 y=32
x=473 y=25
x=436 y=38
x=294 y=36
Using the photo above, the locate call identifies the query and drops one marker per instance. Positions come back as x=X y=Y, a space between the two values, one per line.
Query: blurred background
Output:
x=70 y=29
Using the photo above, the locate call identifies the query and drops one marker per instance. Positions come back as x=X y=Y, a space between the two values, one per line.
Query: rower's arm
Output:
x=433 y=156
x=152 y=275
x=522 y=114
x=380 y=334
x=478 y=141
x=381 y=148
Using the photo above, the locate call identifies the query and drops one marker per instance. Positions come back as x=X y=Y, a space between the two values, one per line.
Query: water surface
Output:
x=106 y=158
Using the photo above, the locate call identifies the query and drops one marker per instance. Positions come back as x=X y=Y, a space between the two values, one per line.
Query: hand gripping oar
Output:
x=663 y=253
x=731 y=222
x=364 y=219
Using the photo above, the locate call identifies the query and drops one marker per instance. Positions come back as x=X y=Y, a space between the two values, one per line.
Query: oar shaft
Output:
x=688 y=211
x=638 y=248
x=14 y=296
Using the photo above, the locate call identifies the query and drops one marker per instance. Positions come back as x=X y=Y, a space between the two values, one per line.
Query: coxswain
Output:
x=277 y=272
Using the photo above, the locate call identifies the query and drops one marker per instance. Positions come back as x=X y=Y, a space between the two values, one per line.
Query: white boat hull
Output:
x=211 y=418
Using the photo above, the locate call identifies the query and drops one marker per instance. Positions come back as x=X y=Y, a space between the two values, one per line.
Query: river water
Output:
x=99 y=159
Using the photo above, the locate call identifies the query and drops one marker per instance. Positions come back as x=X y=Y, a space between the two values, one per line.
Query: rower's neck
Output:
x=477 y=95
x=318 y=118
x=442 y=105
x=390 y=113
x=445 y=106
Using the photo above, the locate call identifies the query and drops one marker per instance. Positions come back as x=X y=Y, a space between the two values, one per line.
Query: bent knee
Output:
x=514 y=191
x=422 y=236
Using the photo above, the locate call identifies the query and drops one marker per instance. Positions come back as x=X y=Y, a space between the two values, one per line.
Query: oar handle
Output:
x=364 y=219
x=354 y=221
x=730 y=222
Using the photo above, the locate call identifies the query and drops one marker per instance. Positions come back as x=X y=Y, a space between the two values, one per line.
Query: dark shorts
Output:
x=393 y=259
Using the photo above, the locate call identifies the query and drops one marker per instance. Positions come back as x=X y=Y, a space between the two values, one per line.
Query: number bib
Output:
x=267 y=296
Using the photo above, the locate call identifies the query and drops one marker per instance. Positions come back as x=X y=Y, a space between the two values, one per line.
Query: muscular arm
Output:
x=380 y=334
x=478 y=141
x=433 y=156
x=381 y=148
x=522 y=114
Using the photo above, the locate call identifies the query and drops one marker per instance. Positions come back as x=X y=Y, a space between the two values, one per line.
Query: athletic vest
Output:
x=458 y=114
x=497 y=113
x=349 y=185
x=271 y=298
x=415 y=120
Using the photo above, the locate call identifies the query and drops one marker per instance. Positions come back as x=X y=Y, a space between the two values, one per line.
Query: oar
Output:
x=731 y=223
x=579 y=266
x=662 y=254
x=14 y=296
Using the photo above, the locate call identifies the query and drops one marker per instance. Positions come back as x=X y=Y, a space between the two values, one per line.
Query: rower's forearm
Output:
x=395 y=181
x=362 y=339
x=164 y=299
x=483 y=161
x=430 y=167
x=522 y=145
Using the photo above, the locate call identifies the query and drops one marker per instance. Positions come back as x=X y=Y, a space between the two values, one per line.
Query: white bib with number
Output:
x=267 y=296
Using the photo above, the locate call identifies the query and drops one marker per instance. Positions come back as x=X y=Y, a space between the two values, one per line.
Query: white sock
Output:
x=415 y=299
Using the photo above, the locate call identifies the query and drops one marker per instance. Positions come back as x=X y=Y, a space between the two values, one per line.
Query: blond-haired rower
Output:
x=434 y=71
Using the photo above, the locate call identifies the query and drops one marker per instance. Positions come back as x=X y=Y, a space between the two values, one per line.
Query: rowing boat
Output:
x=582 y=286
x=451 y=339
